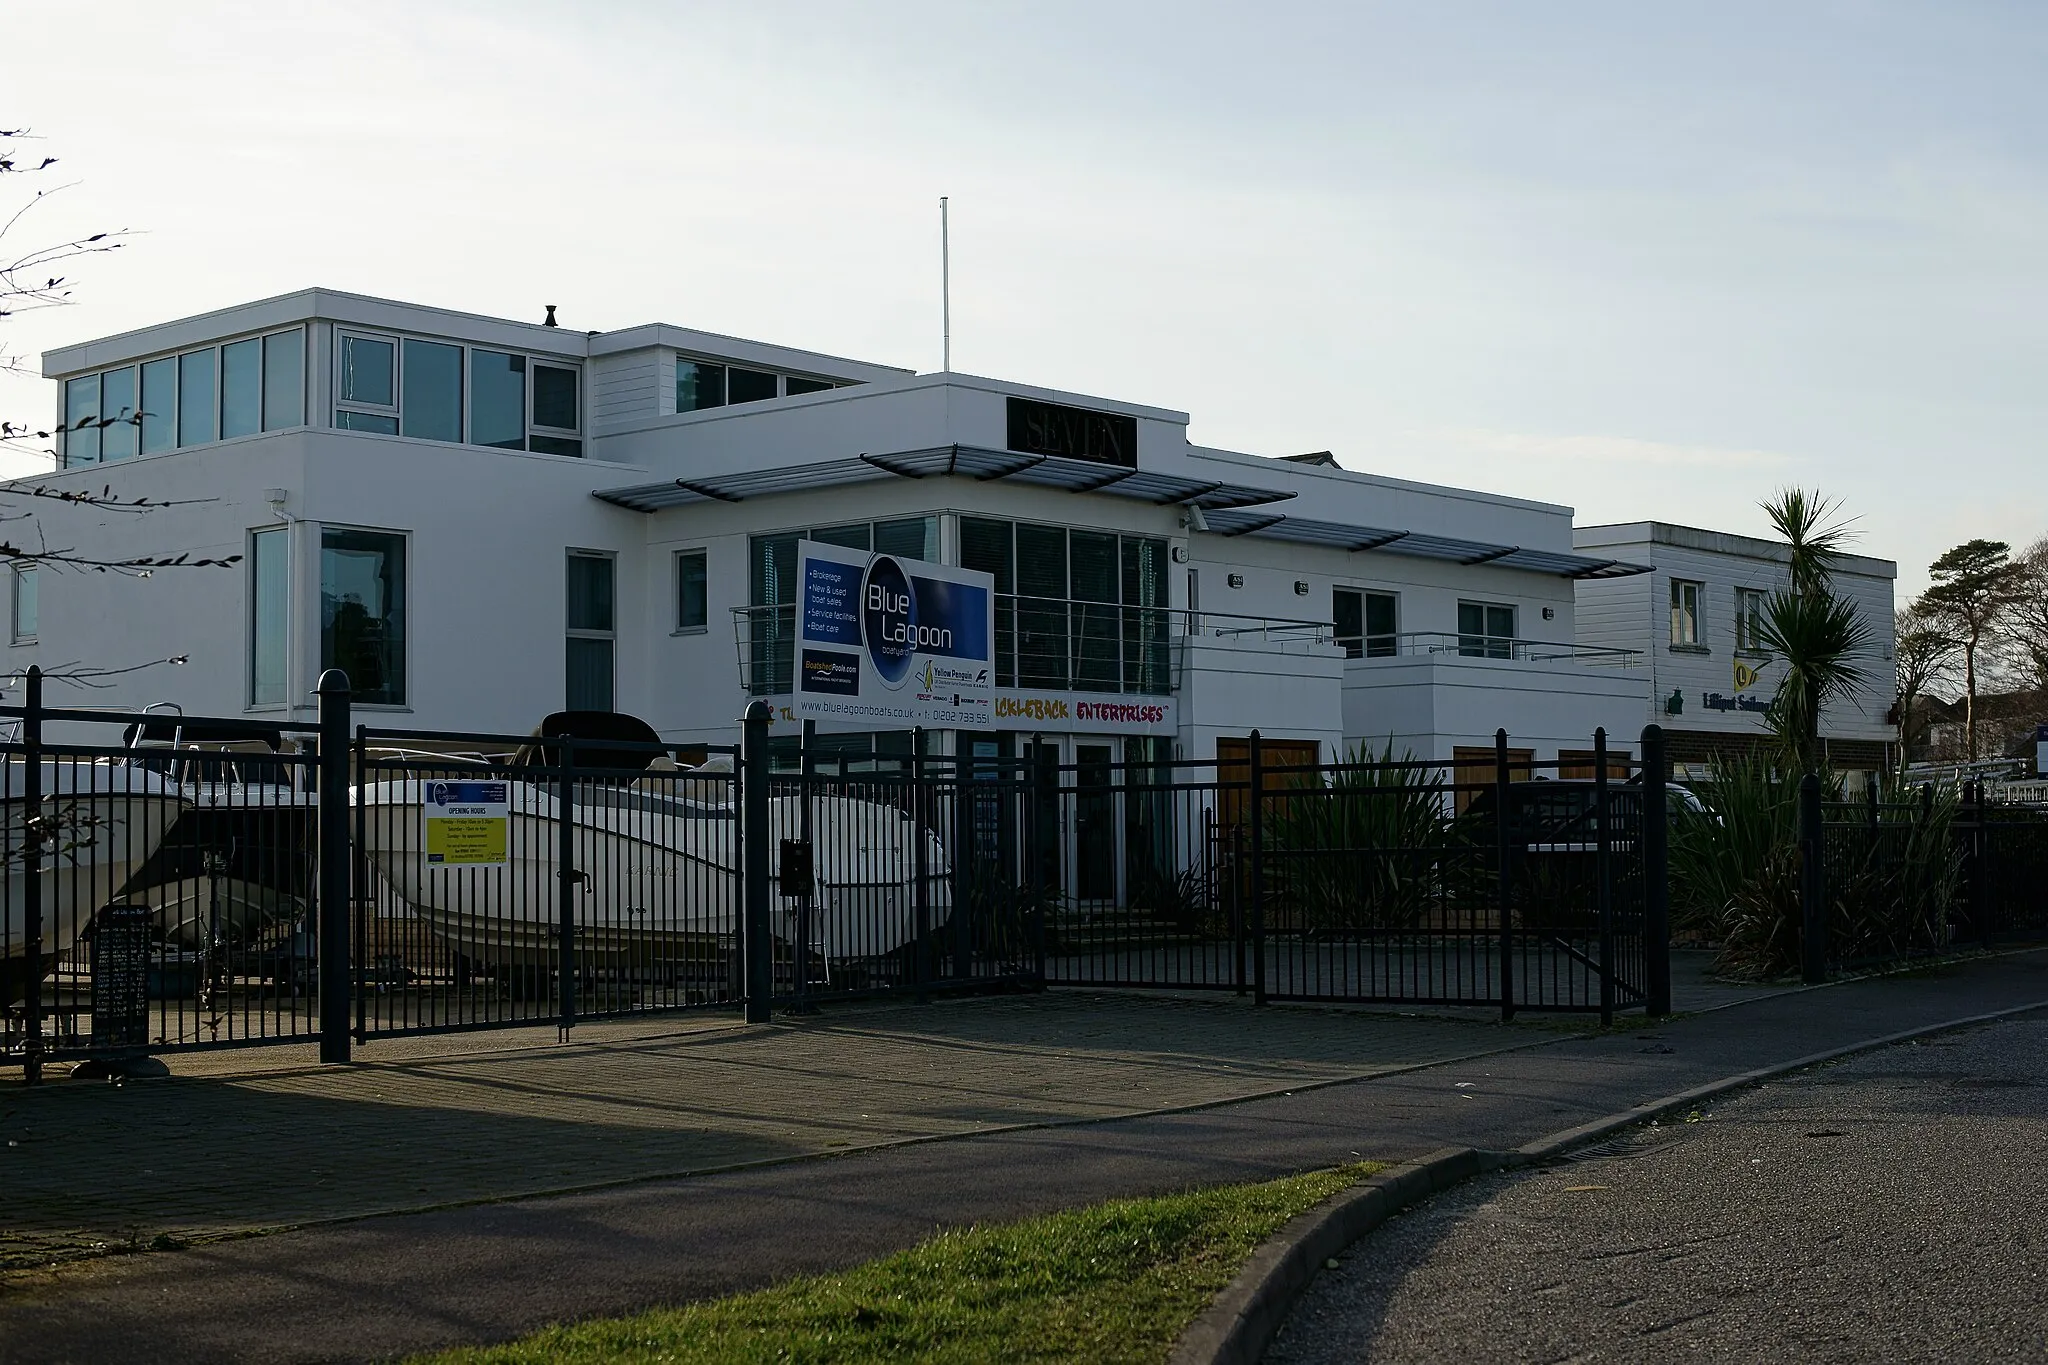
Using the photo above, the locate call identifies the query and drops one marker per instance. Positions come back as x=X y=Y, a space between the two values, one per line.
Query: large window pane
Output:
x=1042 y=625
x=366 y=372
x=1097 y=620
x=590 y=592
x=796 y=384
x=1382 y=624
x=693 y=598
x=749 y=386
x=771 y=642
x=81 y=420
x=908 y=538
x=159 y=406
x=554 y=445
x=554 y=397
x=362 y=612
x=590 y=675
x=858 y=536
x=497 y=400
x=268 y=602
x=985 y=545
x=284 y=380
x=27 y=581
x=1347 y=614
x=432 y=389
x=196 y=424
x=118 y=402
x=699 y=386
x=383 y=423
x=241 y=388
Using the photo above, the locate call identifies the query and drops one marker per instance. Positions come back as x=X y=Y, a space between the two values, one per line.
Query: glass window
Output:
x=986 y=545
x=383 y=423
x=859 y=536
x=241 y=388
x=1749 y=619
x=25 y=605
x=1685 y=612
x=749 y=386
x=1347 y=614
x=362 y=612
x=196 y=373
x=699 y=385
x=796 y=384
x=431 y=385
x=367 y=372
x=284 y=380
x=1382 y=625
x=693 y=606
x=159 y=406
x=81 y=420
x=268 y=601
x=118 y=440
x=1486 y=630
x=1043 y=624
x=497 y=400
x=554 y=397
x=590 y=620
x=908 y=538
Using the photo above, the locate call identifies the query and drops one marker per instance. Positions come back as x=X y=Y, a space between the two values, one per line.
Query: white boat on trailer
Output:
x=658 y=858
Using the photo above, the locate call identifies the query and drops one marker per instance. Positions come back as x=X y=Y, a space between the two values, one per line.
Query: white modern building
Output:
x=1693 y=622
x=484 y=521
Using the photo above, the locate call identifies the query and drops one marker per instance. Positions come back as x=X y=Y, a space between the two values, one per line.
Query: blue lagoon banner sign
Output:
x=888 y=641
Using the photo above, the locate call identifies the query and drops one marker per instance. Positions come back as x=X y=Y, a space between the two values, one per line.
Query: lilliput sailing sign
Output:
x=880 y=639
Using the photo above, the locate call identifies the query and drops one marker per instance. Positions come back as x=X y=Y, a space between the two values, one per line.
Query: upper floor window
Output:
x=1749 y=619
x=214 y=393
x=1074 y=609
x=771 y=575
x=1486 y=630
x=442 y=391
x=1366 y=622
x=704 y=384
x=1685 y=612
x=362 y=611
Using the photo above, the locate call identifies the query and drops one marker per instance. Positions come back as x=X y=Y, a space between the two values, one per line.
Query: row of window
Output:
x=1368 y=625
x=1688 y=625
x=440 y=391
x=211 y=394
x=702 y=384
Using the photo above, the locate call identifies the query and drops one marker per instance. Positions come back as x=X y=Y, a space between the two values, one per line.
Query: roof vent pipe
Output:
x=550 y=320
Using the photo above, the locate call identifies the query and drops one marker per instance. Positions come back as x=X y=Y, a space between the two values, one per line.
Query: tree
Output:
x=2023 y=629
x=1816 y=636
x=1923 y=654
x=1975 y=584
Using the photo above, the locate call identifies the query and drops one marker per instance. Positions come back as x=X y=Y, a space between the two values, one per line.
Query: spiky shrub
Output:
x=1892 y=885
x=1366 y=847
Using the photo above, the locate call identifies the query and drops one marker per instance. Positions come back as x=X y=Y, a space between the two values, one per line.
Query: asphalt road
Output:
x=1892 y=1208
x=386 y=1286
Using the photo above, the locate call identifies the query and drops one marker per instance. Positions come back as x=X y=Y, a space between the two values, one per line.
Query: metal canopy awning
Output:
x=1344 y=536
x=968 y=462
x=1224 y=505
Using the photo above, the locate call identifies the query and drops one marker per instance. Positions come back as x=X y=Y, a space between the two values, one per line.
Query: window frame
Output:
x=682 y=627
x=1745 y=634
x=1491 y=645
x=465 y=414
x=342 y=336
x=255 y=616
x=167 y=425
x=1368 y=641
x=406 y=599
x=31 y=575
x=609 y=636
x=1692 y=613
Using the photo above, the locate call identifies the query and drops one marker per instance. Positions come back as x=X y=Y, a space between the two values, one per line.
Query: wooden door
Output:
x=1474 y=768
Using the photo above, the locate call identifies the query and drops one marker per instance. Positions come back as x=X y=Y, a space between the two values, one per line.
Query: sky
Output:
x=1650 y=261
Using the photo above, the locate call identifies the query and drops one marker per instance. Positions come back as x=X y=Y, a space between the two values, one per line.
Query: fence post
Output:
x=567 y=878
x=1813 y=914
x=921 y=895
x=1258 y=878
x=359 y=887
x=1980 y=867
x=335 y=867
x=756 y=942
x=807 y=788
x=1042 y=843
x=1656 y=875
x=1603 y=874
x=32 y=870
x=1503 y=882
x=965 y=866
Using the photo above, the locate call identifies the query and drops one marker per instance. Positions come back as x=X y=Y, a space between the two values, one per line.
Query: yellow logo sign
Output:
x=1745 y=675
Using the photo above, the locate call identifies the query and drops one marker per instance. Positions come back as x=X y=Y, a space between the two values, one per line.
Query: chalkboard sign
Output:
x=120 y=976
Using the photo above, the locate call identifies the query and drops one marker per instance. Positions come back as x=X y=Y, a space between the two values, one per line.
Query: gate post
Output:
x=921 y=893
x=1980 y=866
x=1041 y=841
x=756 y=941
x=1258 y=878
x=567 y=878
x=335 y=866
x=966 y=802
x=32 y=870
x=1656 y=875
x=1504 y=893
x=1813 y=921
x=1603 y=874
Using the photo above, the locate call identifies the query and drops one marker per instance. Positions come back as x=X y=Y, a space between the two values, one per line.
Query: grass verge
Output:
x=1111 y=1283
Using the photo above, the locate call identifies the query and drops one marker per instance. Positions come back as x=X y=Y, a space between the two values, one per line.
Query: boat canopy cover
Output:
x=178 y=730
x=613 y=741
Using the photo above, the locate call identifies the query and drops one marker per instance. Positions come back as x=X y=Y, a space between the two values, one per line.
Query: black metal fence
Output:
x=179 y=882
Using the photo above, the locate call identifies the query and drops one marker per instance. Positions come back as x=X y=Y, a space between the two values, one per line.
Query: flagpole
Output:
x=945 y=289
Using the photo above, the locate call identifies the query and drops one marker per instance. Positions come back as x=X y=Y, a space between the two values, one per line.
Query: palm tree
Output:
x=1816 y=635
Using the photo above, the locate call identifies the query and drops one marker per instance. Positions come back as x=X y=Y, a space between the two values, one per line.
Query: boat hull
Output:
x=660 y=878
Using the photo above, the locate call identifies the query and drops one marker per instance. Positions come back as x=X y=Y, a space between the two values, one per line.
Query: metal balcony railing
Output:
x=1473 y=646
x=1050 y=643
